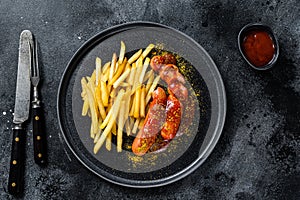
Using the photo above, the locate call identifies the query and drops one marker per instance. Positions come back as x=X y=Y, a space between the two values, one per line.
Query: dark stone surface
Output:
x=257 y=156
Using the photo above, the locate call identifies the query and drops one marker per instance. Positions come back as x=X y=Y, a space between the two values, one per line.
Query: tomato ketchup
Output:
x=258 y=47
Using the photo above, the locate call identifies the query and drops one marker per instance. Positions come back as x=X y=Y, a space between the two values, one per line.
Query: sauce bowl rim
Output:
x=263 y=27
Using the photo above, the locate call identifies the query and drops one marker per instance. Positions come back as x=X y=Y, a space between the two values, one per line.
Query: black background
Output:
x=257 y=156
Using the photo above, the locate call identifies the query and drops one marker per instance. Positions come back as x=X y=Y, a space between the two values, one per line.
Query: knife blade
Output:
x=21 y=114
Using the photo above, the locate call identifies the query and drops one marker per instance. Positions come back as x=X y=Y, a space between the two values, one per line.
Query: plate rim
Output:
x=201 y=158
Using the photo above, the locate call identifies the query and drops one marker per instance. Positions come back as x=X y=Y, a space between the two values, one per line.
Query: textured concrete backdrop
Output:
x=257 y=156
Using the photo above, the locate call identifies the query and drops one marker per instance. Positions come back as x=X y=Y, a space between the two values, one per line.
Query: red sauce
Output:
x=258 y=47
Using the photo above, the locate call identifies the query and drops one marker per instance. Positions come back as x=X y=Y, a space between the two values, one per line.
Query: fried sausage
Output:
x=170 y=73
x=153 y=123
x=173 y=112
x=157 y=62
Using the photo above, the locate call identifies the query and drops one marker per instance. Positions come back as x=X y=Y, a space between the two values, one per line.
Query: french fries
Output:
x=112 y=66
x=94 y=127
x=120 y=80
x=147 y=50
x=136 y=112
x=116 y=95
x=122 y=52
x=115 y=109
x=118 y=72
x=135 y=56
x=151 y=89
x=85 y=106
x=135 y=126
x=143 y=72
x=121 y=125
x=143 y=102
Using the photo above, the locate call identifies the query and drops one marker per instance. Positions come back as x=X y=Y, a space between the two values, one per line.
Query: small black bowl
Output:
x=256 y=26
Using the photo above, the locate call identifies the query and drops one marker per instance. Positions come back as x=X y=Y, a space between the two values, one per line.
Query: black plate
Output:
x=188 y=152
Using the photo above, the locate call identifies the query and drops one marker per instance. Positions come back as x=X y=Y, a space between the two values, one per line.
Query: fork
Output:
x=39 y=136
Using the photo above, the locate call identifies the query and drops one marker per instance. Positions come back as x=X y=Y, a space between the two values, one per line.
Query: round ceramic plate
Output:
x=185 y=153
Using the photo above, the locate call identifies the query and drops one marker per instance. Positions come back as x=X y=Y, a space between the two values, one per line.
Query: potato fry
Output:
x=106 y=119
x=116 y=67
x=93 y=77
x=150 y=81
x=92 y=134
x=105 y=67
x=118 y=72
x=147 y=50
x=99 y=101
x=92 y=108
x=97 y=136
x=121 y=78
x=109 y=106
x=135 y=56
x=141 y=123
x=136 y=113
x=122 y=52
x=124 y=84
x=148 y=75
x=91 y=84
x=152 y=88
x=113 y=93
x=98 y=70
x=120 y=126
x=128 y=127
x=85 y=107
x=144 y=68
x=112 y=66
x=132 y=74
x=131 y=112
x=107 y=130
x=127 y=97
x=92 y=87
x=104 y=93
x=128 y=66
x=108 y=142
x=114 y=129
x=136 y=125
x=108 y=115
x=83 y=94
x=109 y=88
x=139 y=68
x=105 y=73
x=143 y=102
x=132 y=120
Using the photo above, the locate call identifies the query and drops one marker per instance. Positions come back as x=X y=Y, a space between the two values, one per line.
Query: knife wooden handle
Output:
x=17 y=162
x=39 y=136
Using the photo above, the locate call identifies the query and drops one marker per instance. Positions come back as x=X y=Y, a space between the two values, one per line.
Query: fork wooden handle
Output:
x=39 y=136
x=17 y=162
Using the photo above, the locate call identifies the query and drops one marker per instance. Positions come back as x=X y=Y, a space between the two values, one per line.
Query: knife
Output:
x=21 y=113
x=39 y=136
